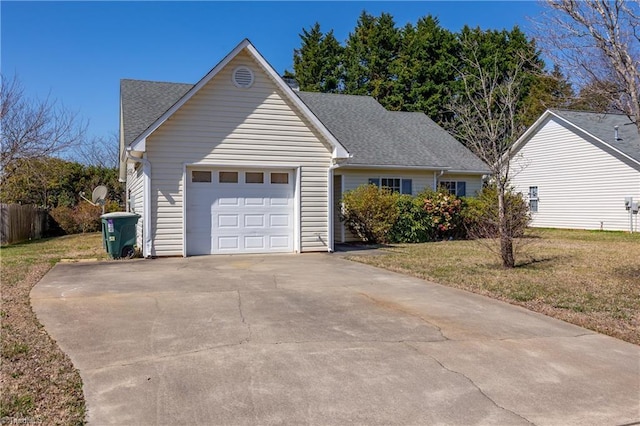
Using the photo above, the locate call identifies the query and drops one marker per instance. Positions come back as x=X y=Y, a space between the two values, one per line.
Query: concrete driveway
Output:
x=316 y=339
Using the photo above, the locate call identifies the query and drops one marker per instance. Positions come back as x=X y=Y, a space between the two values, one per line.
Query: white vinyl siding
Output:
x=226 y=125
x=135 y=194
x=580 y=184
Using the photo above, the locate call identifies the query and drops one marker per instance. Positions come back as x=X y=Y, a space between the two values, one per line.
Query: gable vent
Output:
x=242 y=77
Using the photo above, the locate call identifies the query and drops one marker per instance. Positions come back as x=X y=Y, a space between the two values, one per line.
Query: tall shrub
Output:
x=481 y=218
x=370 y=212
x=443 y=212
x=413 y=224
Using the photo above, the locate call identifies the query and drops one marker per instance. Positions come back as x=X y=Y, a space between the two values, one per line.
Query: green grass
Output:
x=37 y=379
x=589 y=278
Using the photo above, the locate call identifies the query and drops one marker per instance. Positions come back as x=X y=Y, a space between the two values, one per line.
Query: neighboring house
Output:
x=242 y=163
x=576 y=168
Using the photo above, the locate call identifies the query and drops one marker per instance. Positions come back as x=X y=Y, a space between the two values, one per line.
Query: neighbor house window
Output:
x=454 y=187
x=200 y=176
x=228 y=177
x=403 y=186
x=533 y=199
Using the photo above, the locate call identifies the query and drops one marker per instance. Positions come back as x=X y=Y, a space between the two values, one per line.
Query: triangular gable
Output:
x=531 y=131
x=339 y=151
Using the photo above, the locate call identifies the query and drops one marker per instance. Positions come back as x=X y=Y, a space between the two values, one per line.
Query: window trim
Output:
x=194 y=172
x=457 y=189
x=534 y=200
x=377 y=181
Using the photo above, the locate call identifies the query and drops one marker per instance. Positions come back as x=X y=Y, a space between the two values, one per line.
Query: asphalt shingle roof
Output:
x=603 y=125
x=373 y=135
x=143 y=102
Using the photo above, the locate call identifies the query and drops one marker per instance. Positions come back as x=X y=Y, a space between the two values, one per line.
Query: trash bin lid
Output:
x=116 y=215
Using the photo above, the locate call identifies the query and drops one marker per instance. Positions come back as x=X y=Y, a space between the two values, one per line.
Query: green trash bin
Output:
x=119 y=233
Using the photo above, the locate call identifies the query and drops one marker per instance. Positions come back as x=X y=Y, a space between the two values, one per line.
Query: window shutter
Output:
x=374 y=181
x=462 y=189
x=406 y=186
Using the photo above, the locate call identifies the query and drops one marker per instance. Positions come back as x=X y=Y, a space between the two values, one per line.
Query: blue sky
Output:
x=77 y=52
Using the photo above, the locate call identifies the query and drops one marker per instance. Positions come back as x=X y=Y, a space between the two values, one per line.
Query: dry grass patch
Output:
x=39 y=384
x=588 y=278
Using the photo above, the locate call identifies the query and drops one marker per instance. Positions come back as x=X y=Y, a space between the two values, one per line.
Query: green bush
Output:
x=481 y=219
x=82 y=218
x=370 y=212
x=413 y=224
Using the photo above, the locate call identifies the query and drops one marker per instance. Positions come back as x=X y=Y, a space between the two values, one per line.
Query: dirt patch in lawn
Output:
x=591 y=279
x=38 y=381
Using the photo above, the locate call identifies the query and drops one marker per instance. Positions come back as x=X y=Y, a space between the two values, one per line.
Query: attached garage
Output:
x=235 y=210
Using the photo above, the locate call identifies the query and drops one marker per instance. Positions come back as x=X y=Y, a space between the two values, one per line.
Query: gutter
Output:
x=147 y=243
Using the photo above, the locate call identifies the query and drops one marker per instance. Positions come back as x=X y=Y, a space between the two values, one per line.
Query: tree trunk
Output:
x=506 y=239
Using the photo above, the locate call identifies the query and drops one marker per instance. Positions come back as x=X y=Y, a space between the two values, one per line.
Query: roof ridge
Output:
x=584 y=111
x=155 y=81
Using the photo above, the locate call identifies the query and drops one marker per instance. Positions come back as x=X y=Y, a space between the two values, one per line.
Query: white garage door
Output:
x=240 y=211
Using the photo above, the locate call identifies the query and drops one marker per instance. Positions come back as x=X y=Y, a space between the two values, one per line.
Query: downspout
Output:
x=330 y=206
x=435 y=179
x=146 y=208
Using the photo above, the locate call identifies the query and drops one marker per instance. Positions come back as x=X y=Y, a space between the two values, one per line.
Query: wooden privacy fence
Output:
x=20 y=223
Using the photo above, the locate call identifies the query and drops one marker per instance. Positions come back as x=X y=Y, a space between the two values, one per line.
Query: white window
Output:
x=201 y=176
x=533 y=199
x=400 y=185
x=457 y=188
x=228 y=177
x=254 y=177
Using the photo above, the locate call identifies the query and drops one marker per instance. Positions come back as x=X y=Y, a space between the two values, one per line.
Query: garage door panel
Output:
x=228 y=221
x=228 y=201
x=238 y=217
x=279 y=220
x=254 y=221
x=279 y=241
x=256 y=242
x=227 y=243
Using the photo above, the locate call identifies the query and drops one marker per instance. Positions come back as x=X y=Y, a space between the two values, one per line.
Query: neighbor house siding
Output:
x=135 y=201
x=580 y=184
x=226 y=125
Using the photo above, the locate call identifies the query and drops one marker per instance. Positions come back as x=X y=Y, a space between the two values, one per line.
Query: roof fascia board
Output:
x=548 y=113
x=391 y=167
x=525 y=136
x=339 y=151
x=139 y=143
x=469 y=172
x=608 y=145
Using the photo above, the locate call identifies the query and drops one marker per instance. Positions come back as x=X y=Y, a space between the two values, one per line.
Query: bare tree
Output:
x=597 y=42
x=33 y=129
x=100 y=151
x=485 y=120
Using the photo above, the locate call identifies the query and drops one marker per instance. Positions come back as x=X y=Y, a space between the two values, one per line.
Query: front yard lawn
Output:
x=588 y=278
x=38 y=381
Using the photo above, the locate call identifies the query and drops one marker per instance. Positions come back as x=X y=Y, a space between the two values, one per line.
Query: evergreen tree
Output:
x=549 y=90
x=369 y=55
x=426 y=66
x=317 y=63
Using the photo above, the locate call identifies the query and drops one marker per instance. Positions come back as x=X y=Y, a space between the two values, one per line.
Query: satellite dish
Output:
x=99 y=194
